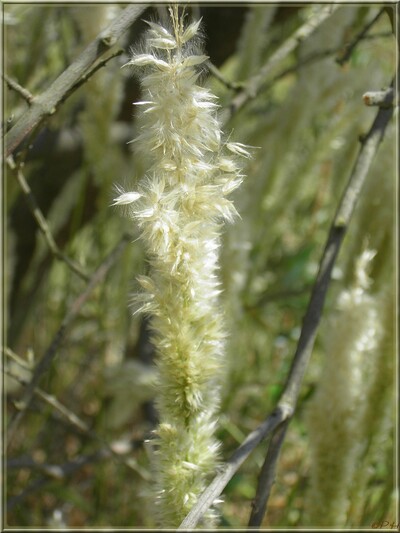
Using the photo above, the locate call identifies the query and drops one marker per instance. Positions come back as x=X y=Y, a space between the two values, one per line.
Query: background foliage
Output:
x=305 y=123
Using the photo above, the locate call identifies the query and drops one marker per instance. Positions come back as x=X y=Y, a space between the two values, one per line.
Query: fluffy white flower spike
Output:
x=179 y=208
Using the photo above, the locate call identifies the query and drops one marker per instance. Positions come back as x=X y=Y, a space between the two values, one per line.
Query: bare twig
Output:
x=78 y=423
x=266 y=478
x=97 y=66
x=288 y=400
x=235 y=86
x=42 y=222
x=51 y=351
x=384 y=98
x=232 y=465
x=54 y=470
x=351 y=46
x=65 y=470
x=15 y=86
x=257 y=82
x=17 y=359
x=316 y=56
x=370 y=144
x=46 y=103
x=72 y=418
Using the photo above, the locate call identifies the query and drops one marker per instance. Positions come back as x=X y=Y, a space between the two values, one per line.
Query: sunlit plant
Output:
x=179 y=208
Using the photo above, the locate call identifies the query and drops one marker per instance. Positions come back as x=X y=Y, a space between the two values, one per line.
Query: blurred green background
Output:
x=305 y=122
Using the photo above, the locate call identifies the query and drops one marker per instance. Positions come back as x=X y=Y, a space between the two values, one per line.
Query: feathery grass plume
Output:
x=336 y=417
x=179 y=208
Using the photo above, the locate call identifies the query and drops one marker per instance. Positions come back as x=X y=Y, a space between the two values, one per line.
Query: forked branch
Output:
x=277 y=422
x=46 y=103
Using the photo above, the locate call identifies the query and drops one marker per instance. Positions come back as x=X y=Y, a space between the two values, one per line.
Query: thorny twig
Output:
x=46 y=103
x=51 y=351
x=277 y=424
x=42 y=222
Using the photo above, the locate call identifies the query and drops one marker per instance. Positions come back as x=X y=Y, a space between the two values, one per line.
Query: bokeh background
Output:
x=305 y=122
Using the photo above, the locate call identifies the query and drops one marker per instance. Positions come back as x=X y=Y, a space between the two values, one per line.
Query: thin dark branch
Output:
x=352 y=45
x=15 y=86
x=78 y=423
x=267 y=475
x=42 y=222
x=316 y=56
x=232 y=465
x=313 y=315
x=90 y=72
x=46 y=103
x=235 y=86
x=51 y=351
x=337 y=231
x=241 y=85
x=288 y=400
x=54 y=470
x=257 y=82
x=59 y=472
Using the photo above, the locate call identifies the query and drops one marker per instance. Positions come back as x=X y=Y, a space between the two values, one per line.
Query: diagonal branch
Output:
x=42 y=222
x=351 y=46
x=46 y=103
x=267 y=473
x=15 y=86
x=345 y=210
x=51 y=351
x=277 y=422
x=91 y=71
x=80 y=424
x=257 y=82
x=232 y=465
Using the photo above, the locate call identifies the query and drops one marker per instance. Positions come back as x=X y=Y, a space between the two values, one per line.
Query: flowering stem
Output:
x=179 y=208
